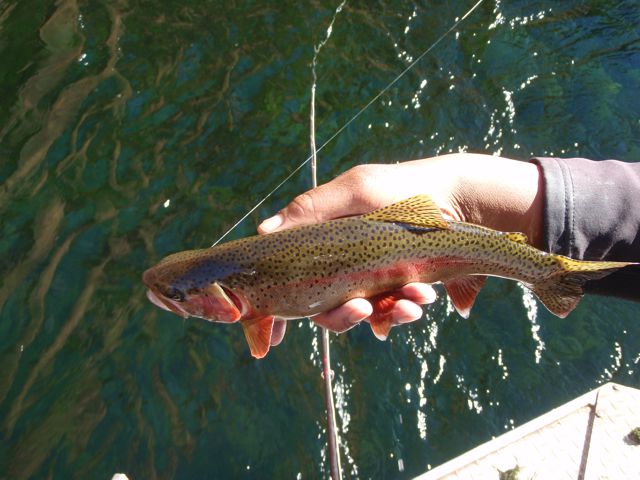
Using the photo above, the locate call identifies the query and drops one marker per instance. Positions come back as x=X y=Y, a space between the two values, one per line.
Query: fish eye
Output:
x=174 y=294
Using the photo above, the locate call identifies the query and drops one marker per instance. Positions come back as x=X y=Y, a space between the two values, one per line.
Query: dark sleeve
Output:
x=592 y=212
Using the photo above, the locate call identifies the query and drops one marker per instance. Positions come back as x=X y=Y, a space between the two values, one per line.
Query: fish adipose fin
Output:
x=561 y=292
x=257 y=331
x=463 y=292
x=419 y=211
x=381 y=320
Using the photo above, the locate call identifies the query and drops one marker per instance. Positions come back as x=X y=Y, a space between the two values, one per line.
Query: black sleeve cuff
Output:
x=592 y=212
x=591 y=208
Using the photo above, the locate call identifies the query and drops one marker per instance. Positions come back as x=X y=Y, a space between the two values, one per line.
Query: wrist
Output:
x=500 y=193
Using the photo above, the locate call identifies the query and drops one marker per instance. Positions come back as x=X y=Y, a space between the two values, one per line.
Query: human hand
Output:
x=360 y=190
x=496 y=192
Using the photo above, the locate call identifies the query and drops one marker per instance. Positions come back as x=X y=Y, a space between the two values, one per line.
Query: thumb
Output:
x=328 y=201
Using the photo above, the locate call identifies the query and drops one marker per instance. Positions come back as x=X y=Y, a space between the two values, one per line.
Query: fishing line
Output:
x=341 y=129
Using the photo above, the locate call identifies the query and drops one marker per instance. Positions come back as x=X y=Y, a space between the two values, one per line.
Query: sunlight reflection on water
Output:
x=128 y=132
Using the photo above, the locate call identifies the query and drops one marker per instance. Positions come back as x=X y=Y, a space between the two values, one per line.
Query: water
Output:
x=129 y=130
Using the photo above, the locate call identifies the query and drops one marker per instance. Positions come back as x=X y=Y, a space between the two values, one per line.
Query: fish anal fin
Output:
x=419 y=211
x=463 y=292
x=381 y=318
x=258 y=331
x=560 y=302
x=517 y=237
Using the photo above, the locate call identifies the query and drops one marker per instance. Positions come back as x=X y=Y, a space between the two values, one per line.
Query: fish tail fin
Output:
x=562 y=291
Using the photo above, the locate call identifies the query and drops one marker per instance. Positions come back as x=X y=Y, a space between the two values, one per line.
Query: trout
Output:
x=310 y=269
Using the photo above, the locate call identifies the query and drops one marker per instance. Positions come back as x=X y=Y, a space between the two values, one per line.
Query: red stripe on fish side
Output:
x=395 y=276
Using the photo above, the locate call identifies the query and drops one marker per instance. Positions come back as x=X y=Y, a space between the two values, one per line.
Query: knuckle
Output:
x=302 y=207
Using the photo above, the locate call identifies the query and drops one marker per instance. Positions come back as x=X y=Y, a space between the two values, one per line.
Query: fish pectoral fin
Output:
x=381 y=319
x=258 y=331
x=463 y=292
x=419 y=211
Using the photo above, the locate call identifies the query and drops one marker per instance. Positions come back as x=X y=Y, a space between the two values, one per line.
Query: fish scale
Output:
x=313 y=268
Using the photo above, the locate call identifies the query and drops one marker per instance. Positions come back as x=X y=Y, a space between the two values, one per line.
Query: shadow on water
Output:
x=130 y=129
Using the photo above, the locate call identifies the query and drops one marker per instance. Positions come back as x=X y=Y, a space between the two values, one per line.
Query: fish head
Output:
x=194 y=287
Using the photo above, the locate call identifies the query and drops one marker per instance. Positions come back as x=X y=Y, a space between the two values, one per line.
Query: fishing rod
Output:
x=332 y=430
x=333 y=444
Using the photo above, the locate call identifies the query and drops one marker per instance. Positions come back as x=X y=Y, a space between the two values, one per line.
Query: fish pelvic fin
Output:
x=419 y=211
x=562 y=291
x=463 y=292
x=258 y=331
x=381 y=318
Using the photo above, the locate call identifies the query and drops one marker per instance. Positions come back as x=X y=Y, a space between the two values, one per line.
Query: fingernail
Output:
x=431 y=296
x=406 y=319
x=354 y=317
x=410 y=312
x=270 y=224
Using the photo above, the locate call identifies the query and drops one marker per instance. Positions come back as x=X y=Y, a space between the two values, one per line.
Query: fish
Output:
x=301 y=272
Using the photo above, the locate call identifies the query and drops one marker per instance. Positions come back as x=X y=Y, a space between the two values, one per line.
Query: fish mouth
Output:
x=167 y=304
x=215 y=303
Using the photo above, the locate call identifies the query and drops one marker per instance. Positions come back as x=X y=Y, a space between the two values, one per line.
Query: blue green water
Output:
x=132 y=129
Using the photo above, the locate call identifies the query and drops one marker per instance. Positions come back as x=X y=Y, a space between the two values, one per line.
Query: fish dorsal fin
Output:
x=517 y=237
x=419 y=211
x=463 y=292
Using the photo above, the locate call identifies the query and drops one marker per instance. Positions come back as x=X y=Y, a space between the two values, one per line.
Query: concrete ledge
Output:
x=584 y=438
